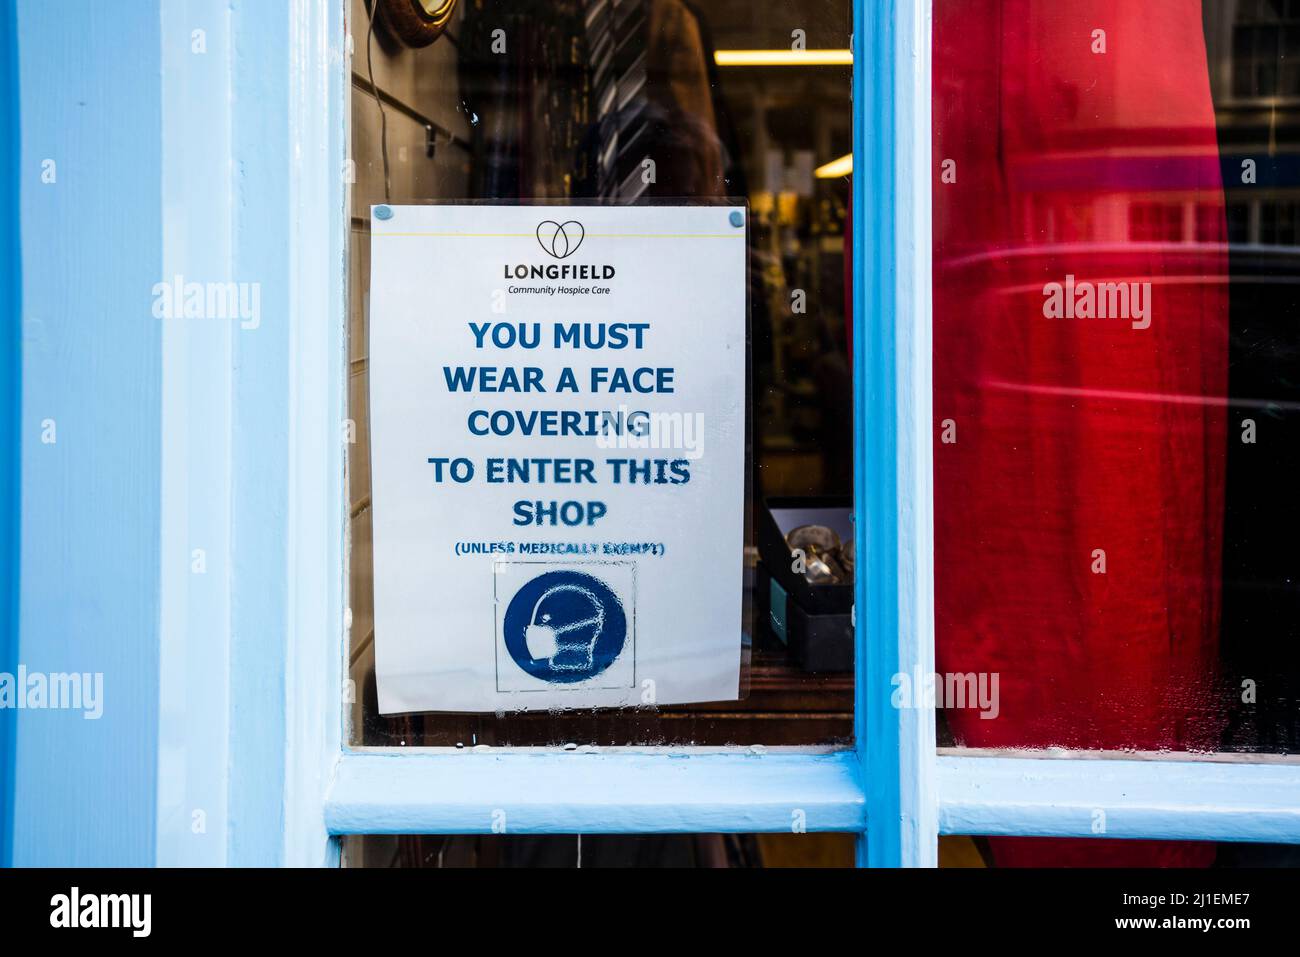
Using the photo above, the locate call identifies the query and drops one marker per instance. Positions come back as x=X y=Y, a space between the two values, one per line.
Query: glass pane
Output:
x=562 y=101
x=1108 y=852
x=1116 y=399
x=600 y=850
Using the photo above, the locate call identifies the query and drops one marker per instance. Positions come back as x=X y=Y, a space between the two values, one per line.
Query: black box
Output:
x=814 y=621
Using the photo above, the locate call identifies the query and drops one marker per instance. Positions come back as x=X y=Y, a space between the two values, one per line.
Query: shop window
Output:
x=599 y=850
x=567 y=113
x=1265 y=49
x=983 y=851
x=1116 y=427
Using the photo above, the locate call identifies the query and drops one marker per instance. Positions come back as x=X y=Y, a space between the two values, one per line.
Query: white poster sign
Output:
x=557 y=417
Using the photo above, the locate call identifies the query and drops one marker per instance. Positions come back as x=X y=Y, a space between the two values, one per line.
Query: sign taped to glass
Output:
x=558 y=447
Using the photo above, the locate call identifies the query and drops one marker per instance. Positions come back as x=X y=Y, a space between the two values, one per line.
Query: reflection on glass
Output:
x=962 y=851
x=1115 y=381
x=625 y=101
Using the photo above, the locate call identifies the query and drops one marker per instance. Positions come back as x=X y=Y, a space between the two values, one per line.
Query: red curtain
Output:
x=1079 y=511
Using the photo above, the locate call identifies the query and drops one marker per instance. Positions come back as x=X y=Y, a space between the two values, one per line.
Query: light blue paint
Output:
x=90 y=98
x=244 y=458
x=221 y=668
x=613 y=792
x=261 y=223
x=1178 y=800
x=10 y=400
x=196 y=51
x=273 y=162
x=893 y=479
x=253 y=467
x=255 y=431
x=317 y=506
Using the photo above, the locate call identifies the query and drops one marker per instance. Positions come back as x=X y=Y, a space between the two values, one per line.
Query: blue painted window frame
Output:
x=894 y=789
x=232 y=680
x=10 y=401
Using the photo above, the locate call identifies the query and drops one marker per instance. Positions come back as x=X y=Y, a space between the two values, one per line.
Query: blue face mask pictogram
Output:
x=565 y=626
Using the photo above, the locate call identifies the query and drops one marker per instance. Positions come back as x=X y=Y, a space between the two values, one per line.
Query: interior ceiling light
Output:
x=836 y=168
x=783 y=57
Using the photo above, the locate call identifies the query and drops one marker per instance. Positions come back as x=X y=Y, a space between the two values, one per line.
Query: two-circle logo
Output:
x=565 y=626
x=560 y=239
